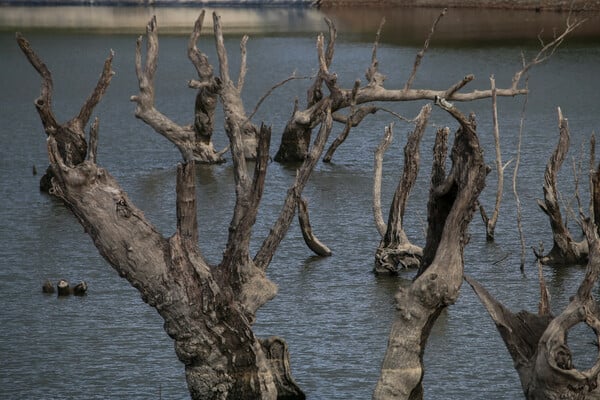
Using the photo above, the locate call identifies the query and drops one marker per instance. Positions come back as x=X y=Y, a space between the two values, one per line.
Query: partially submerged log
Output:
x=452 y=201
x=565 y=250
x=538 y=344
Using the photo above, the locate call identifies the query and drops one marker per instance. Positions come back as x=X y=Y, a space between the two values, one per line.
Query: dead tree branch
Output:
x=451 y=205
x=395 y=251
x=421 y=54
x=565 y=251
x=310 y=239
x=277 y=233
x=70 y=135
x=514 y=184
x=193 y=141
x=233 y=106
x=377 y=171
x=538 y=343
x=296 y=136
x=490 y=223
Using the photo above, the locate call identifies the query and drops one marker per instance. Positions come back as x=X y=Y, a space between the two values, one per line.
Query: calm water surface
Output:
x=334 y=313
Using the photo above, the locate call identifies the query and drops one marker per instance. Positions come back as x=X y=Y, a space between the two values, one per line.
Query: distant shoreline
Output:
x=537 y=5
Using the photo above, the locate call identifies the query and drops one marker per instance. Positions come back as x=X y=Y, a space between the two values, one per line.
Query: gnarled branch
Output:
x=395 y=250
x=193 y=141
x=565 y=250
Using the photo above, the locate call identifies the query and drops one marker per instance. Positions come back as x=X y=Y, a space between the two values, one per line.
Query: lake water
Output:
x=333 y=312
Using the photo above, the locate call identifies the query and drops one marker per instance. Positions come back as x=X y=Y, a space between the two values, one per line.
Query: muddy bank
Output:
x=409 y=26
x=536 y=5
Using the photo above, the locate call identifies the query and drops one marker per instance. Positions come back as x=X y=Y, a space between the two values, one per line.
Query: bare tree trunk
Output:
x=208 y=309
x=565 y=251
x=395 y=251
x=490 y=223
x=514 y=185
x=594 y=184
x=537 y=343
x=70 y=135
x=451 y=206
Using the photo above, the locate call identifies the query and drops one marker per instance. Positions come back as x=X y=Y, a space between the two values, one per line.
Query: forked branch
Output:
x=193 y=141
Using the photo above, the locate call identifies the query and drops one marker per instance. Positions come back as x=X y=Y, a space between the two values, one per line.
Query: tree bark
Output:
x=395 y=251
x=193 y=141
x=70 y=135
x=537 y=343
x=565 y=250
x=208 y=309
x=230 y=93
x=451 y=205
x=490 y=222
x=296 y=135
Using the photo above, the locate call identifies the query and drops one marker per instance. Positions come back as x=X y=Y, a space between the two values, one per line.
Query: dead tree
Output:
x=565 y=250
x=395 y=251
x=296 y=135
x=208 y=309
x=538 y=344
x=490 y=222
x=452 y=202
x=193 y=141
x=235 y=115
x=70 y=135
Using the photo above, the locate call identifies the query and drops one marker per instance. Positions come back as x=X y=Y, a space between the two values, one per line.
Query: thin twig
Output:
x=421 y=53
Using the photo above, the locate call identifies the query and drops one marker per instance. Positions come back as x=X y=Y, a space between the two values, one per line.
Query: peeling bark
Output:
x=565 y=250
x=395 y=251
x=537 y=343
x=451 y=206
x=70 y=135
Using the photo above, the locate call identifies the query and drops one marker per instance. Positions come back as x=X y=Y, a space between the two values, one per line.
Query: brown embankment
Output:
x=538 y=5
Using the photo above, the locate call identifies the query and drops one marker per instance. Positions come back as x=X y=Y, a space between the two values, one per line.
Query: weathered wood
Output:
x=538 y=343
x=395 y=251
x=490 y=222
x=230 y=93
x=437 y=285
x=208 y=309
x=70 y=135
x=193 y=141
x=310 y=239
x=565 y=250
x=296 y=135
x=276 y=234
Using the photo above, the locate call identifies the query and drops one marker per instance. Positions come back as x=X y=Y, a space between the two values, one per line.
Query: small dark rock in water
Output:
x=64 y=288
x=34 y=170
x=48 y=287
x=80 y=289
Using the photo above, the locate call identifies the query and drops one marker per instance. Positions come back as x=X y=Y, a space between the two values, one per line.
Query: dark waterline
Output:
x=334 y=314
